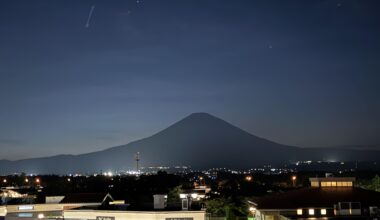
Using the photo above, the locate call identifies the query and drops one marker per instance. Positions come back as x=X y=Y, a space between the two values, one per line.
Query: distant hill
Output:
x=199 y=140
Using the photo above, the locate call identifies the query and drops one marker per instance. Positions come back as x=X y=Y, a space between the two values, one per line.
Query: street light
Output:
x=37 y=180
x=252 y=210
x=26 y=180
x=4 y=180
x=248 y=178
x=294 y=179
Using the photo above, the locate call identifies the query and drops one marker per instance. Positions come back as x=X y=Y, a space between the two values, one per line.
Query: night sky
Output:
x=80 y=76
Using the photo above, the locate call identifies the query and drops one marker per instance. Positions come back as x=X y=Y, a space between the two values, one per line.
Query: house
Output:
x=327 y=198
x=17 y=195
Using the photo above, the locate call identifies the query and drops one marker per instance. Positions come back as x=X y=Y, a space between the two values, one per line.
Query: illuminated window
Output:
x=323 y=184
x=339 y=184
x=349 y=183
x=333 y=183
x=311 y=211
x=314 y=184
x=328 y=183
x=323 y=211
x=299 y=211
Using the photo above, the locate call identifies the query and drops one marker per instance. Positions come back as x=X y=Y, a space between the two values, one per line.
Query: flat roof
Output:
x=85 y=198
x=328 y=179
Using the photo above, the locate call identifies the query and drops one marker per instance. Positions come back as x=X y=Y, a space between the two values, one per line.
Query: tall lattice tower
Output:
x=137 y=159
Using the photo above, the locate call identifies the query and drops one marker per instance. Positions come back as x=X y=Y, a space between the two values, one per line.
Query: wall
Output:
x=3 y=211
x=133 y=215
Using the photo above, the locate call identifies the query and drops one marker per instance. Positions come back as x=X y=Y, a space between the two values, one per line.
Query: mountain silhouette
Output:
x=200 y=140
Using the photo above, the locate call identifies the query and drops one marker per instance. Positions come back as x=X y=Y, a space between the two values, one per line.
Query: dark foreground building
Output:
x=327 y=198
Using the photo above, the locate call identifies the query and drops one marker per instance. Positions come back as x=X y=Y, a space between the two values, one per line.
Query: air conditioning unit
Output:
x=185 y=204
x=373 y=211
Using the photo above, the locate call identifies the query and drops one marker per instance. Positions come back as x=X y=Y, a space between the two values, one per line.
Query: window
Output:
x=311 y=211
x=343 y=184
x=269 y=217
x=355 y=205
x=344 y=205
x=323 y=211
x=299 y=211
x=314 y=184
x=333 y=184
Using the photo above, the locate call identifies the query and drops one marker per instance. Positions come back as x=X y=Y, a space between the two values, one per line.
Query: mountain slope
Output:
x=199 y=140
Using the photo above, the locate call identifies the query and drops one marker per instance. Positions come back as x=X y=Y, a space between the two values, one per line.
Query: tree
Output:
x=173 y=195
x=375 y=183
x=228 y=207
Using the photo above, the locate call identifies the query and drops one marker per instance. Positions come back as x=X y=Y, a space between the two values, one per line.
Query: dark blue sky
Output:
x=303 y=73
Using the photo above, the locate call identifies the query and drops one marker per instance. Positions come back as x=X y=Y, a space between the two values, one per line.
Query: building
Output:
x=327 y=198
x=92 y=206
x=54 y=210
x=132 y=215
x=14 y=195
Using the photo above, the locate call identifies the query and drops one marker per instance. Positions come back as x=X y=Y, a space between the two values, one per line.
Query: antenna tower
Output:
x=137 y=159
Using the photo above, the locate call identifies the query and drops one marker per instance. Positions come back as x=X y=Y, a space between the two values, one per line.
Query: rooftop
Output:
x=315 y=197
x=336 y=179
x=86 y=198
